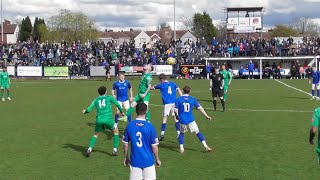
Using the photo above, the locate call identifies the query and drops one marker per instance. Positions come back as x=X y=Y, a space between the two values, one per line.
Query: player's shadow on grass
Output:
x=231 y=179
x=172 y=146
x=288 y=97
x=82 y=149
x=206 y=100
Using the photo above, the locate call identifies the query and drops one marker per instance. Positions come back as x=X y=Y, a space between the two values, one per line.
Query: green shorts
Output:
x=225 y=88
x=5 y=86
x=138 y=99
x=108 y=124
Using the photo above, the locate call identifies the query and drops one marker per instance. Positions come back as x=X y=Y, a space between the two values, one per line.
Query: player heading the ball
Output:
x=168 y=93
x=143 y=91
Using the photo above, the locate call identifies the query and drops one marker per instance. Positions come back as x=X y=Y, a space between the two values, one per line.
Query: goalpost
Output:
x=236 y=62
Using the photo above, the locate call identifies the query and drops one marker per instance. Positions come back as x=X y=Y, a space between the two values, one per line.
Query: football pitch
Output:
x=263 y=134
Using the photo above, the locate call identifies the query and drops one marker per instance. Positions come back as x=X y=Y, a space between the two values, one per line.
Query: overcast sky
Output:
x=147 y=14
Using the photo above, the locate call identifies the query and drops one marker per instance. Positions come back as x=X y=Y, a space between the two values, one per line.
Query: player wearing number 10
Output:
x=168 y=93
x=183 y=106
x=104 y=118
x=143 y=140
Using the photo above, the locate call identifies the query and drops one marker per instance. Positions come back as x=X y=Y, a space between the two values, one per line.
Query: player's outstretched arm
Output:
x=313 y=132
x=131 y=94
x=147 y=91
x=89 y=109
x=204 y=113
x=113 y=100
x=113 y=92
x=179 y=91
x=230 y=78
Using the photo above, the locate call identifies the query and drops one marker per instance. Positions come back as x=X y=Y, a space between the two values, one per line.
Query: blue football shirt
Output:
x=315 y=77
x=168 y=92
x=141 y=135
x=122 y=89
x=185 y=104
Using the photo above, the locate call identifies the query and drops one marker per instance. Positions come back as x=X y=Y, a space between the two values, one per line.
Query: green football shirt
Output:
x=315 y=122
x=104 y=107
x=226 y=76
x=144 y=83
x=4 y=77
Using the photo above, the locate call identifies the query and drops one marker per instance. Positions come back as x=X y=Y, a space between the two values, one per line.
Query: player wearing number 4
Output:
x=104 y=118
x=122 y=87
x=5 y=83
x=168 y=93
x=183 y=106
x=143 y=140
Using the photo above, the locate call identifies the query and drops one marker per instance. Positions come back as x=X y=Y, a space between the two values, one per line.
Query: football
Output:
x=171 y=61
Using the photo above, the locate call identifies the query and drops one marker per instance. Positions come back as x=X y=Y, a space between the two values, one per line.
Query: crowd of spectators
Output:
x=79 y=56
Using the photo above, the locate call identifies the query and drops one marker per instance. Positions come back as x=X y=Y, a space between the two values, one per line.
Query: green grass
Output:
x=43 y=134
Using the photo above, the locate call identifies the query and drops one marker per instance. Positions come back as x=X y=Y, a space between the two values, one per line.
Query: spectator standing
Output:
x=250 y=69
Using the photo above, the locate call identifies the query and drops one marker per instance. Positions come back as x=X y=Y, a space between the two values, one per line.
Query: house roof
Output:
x=132 y=34
x=265 y=35
x=9 y=28
x=114 y=35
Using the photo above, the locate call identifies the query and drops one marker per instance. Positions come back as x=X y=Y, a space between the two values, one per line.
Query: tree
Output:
x=162 y=26
x=203 y=26
x=222 y=31
x=186 y=23
x=306 y=27
x=37 y=23
x=71 y=26
x=284 y=31
x=26 y=29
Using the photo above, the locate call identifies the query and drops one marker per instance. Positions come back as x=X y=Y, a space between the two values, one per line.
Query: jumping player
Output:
x=315 y=127
x=144 y=91
x=168 y=92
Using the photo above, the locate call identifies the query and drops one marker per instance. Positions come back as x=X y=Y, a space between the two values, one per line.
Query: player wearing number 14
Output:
x=183 y=106
x=104 y=118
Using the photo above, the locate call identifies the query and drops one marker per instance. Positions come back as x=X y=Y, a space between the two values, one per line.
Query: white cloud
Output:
x=147 y=14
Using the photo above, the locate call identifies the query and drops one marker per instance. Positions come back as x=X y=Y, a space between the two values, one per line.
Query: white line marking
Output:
x=292 y=87
x=254 y=110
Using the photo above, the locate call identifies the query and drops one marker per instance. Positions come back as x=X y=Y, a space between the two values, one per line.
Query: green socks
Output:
x=148 y=116
x=93 y=141
x=116 y=141
x=130 y=111
x=8 y=93
x=225 y=96
x=2 y=94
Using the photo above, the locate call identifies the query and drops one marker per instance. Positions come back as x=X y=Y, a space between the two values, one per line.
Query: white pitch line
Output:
x=292 y=87
x=254 y=110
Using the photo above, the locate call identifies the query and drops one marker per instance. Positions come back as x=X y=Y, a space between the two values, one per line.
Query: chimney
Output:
x=131 y=30
x=7 y=22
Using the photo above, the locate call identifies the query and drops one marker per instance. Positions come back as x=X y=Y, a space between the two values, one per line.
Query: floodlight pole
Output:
x=1 y=24
x=174 y=21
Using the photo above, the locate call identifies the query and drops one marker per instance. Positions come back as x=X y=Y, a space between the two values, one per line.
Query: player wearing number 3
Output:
x=143 y=140
x=183 y=106
x=104 y=118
